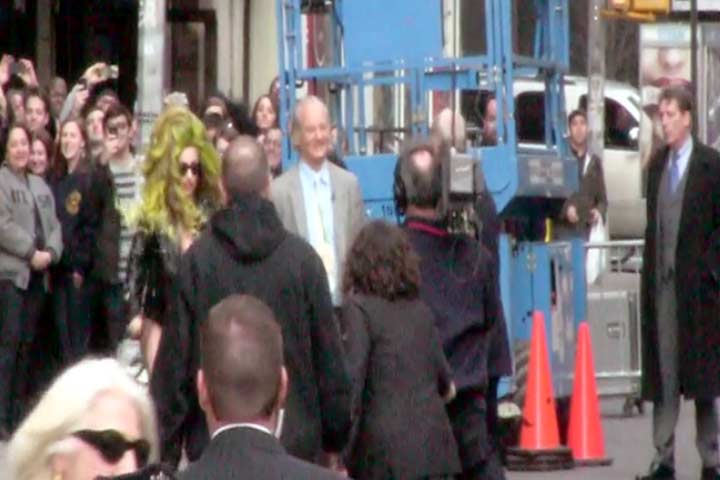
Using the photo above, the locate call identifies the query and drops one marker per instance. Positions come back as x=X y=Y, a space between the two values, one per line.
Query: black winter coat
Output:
x=78 y=204
x=106 y=250
x=459 y=285
x=245 y=249
x=499 y=357
x=697 y=274
x=400 y=376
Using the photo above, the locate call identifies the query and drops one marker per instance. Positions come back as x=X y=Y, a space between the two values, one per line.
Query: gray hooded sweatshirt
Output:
x=18 y=234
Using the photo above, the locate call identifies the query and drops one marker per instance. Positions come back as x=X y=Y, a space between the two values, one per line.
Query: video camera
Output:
x=462 y=182
x=457 y=181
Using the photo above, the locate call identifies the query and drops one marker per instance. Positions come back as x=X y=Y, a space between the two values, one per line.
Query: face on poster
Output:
x=665 y=60
x=709 y=86
x=665 y=66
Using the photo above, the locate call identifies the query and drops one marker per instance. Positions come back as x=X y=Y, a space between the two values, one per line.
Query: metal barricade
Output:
x=613 y=314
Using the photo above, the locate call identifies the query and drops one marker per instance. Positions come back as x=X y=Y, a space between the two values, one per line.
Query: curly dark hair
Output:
x=381 y=262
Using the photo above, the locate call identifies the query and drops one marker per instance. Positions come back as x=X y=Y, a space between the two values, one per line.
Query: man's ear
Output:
x=687 y=118
x=204 y=395
x=284 y=387
x=59 y=464
x=224 y=198
x=266 y=192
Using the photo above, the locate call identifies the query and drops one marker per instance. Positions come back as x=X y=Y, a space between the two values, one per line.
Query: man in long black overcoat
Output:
x=681 y=287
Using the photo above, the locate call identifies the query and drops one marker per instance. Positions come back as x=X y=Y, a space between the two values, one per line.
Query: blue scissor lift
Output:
x=399 y=43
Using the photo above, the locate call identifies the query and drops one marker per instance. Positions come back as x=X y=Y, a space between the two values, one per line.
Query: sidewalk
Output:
x=628 y=442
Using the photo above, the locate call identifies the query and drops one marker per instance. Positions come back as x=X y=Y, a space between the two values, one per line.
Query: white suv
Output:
x=624 y=175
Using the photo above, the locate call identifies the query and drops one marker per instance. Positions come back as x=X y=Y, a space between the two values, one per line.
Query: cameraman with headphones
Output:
x=458 y=284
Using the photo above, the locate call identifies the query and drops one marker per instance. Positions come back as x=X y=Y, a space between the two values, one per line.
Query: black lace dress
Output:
x=152 y=270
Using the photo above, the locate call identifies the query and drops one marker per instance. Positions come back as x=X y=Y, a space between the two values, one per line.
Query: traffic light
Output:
x=652 y=6
x=637 y=9
x=619 y=5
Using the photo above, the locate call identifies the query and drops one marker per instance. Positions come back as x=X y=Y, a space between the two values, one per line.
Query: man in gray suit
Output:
x=315 y=199
x=681 y=293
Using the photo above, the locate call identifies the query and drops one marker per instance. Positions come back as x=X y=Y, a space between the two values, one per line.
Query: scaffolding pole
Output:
x=596 y=78
x=151 y=62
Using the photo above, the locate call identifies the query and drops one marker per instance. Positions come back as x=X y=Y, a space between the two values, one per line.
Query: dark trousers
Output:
x=20 y=312
x=667 y=408
x=468 y=416
x=46 y=355
x=71 y=317
x=107 y=316
x=493 y=426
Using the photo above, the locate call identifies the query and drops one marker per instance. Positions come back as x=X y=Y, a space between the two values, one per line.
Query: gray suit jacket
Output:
x=348 y=208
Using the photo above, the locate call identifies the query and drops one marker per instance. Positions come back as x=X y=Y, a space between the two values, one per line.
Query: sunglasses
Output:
x=194 y=169
x=112 y=445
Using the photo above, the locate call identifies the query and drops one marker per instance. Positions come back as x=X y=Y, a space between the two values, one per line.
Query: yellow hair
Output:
x=165 y=205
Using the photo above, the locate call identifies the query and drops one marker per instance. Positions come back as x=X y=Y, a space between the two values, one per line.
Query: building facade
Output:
x=210 y=45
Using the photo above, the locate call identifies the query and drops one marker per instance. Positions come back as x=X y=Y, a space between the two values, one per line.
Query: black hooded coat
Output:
x=246 y=250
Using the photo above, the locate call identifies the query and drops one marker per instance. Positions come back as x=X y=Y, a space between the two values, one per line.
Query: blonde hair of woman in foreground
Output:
x=94 y=420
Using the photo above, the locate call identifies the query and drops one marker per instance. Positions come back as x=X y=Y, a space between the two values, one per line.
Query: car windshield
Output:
x=635 y=100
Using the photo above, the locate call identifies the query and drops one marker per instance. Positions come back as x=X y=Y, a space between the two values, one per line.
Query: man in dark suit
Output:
x=245 y=249
x=680 y=287
x=242 y=386
x=588 y=206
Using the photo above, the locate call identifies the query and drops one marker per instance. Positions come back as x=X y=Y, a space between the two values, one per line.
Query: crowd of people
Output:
x=278 y=326
x=82 y=207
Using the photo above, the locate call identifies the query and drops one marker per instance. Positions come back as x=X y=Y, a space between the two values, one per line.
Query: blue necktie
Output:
x=674 y=171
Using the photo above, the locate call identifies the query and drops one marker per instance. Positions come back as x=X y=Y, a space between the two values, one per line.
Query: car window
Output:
x=530 y=117
x=620 y=126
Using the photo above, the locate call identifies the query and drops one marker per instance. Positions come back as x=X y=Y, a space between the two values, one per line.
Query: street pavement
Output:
x=3 y=471
x=628 y=443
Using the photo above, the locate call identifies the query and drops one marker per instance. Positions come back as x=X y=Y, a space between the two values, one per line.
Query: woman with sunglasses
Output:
x=30 y=241
x=181 y=189
x=93 y=421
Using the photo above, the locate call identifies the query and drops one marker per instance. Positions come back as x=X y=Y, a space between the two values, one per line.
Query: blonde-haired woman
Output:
x=181 y=189
x=94 y=420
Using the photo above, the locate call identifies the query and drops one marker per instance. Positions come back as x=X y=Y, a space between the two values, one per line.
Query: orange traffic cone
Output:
x=585 y=434
x=539 y=447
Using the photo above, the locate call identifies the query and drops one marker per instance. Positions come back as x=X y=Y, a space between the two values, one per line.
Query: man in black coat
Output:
x=242 y=387
x=450 y=128
x=245 y=249
x=680 y=287
x=104 y=287
x=458 y=285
